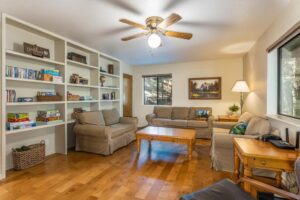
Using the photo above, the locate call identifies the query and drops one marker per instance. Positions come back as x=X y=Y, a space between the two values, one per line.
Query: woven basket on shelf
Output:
x=29 y=158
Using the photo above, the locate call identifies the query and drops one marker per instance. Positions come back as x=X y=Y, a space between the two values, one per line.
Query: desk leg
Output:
x=247 y=173
x=190 y=148
x=236 y=164
x=278 y=178
x=138 y=145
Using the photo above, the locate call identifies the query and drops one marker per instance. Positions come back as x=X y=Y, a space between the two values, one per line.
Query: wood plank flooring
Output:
x=160 y=173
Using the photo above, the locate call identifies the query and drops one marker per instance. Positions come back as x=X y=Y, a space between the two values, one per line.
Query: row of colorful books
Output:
x=25 y=73
x=47 y=117
x=21 y=120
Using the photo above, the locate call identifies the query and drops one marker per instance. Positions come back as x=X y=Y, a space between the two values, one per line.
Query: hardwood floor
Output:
x=161 y=173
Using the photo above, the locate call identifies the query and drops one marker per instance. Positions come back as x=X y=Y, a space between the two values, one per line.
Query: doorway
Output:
x=127 y=95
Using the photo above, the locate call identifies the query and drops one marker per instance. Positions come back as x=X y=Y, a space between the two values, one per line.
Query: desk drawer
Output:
x=273 y=164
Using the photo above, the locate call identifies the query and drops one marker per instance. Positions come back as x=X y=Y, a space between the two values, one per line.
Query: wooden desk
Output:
x=165 y=134
x=227 y=118
x=263 y=155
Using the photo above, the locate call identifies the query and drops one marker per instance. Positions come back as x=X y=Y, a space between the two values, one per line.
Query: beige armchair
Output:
x=103 y=132
x=222 y=141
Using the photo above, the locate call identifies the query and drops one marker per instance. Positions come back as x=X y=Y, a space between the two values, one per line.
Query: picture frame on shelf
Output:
x=206 y=88
x=34 y=50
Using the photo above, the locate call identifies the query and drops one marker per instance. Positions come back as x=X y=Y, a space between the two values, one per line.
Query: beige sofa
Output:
x=222 y=142
x=182 y=117
x=103 y=132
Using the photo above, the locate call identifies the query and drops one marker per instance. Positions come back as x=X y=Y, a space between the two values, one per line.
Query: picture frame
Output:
x=206 y=88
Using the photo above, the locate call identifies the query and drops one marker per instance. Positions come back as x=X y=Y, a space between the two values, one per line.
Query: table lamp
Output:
x=242 y=87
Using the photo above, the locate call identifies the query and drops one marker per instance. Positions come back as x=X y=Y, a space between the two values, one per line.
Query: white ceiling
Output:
x=221 y=28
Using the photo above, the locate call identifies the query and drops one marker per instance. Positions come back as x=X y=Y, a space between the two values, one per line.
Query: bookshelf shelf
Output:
x=88 y=101
x=109 y=75
x=83 y=86
x=33 y=81
x=22 y=55
x=81 y=64
x=33 y=128
x=34 y=103
x=111 y=100
x=110 y=88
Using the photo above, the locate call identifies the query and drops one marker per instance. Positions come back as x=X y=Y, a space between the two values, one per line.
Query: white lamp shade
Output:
x=240 y=86
x=154 y=40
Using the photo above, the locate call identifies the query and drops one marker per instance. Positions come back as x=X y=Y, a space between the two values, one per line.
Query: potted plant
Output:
x=233 y=109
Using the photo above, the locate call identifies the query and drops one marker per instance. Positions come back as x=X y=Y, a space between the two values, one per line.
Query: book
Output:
x=20 y=125
x=40 y=123
x=14 y=116
x=48 y=113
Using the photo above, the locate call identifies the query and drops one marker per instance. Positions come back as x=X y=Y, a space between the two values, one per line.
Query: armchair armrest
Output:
x=149 y=118
x=227 y=125
x=129 y=120
x=225 y=140
x=103 y=132
x=269 y=188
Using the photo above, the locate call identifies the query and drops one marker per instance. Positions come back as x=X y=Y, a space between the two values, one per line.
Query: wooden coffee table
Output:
x=165 y=134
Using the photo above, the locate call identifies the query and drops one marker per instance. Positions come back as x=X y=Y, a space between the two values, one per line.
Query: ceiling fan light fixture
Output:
x=154 y=40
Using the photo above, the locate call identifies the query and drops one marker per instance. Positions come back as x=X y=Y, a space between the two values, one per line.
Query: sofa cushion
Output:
x=245 y=117
x=177 y=123
x=197 y=124
x=163 y=112
x=160 y=122
x=92 y=117
x=111 y=116
x=120 y=129
x=194 y=110
x=258 y=126
x=180 y=112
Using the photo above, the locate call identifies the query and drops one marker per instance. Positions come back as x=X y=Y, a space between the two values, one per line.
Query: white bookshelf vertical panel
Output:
x=2 y=100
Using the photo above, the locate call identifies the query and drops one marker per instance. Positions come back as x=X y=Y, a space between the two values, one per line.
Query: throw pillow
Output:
x=202 y=113
x=239 y=128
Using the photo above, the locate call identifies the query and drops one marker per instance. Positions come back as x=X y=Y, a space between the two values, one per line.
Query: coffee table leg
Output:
x=190 y=149
x=138 y=145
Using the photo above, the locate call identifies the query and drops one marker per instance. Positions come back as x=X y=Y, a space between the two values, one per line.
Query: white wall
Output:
x=256 y=69
x=229 y=69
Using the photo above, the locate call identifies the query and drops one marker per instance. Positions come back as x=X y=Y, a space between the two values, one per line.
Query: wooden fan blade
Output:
x=172 y=19
x=133 y=36
x=181 y=35
x=131 y=23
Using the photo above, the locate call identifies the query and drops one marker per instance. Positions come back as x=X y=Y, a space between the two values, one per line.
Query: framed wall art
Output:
x=205 y=88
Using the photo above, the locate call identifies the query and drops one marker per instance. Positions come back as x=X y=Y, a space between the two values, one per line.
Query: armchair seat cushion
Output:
x=197 y=123
x=120 y=129
x=224 y=189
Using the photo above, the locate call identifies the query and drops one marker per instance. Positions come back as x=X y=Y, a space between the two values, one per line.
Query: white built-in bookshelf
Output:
x=59 y=136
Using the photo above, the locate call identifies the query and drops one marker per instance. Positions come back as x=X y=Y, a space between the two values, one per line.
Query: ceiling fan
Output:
x=156 y=26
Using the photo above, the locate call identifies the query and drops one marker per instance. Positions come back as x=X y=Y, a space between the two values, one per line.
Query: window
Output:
x=289 y=78
x=158 y=89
